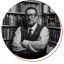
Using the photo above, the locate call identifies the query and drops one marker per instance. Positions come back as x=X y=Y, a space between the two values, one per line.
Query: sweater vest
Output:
x=35 y=35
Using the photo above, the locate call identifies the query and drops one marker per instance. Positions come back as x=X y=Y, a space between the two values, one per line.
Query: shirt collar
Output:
x=33 y=28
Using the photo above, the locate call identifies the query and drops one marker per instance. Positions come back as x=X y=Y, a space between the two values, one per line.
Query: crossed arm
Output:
x=34 y=46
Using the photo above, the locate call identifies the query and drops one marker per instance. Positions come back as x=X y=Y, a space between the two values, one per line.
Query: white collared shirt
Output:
x=33 y=28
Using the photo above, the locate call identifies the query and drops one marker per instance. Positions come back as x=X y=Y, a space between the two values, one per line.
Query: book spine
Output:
x=11 y=17
x=51 y=22
x=7 y=34
x=45 y=9
x=13 y=9
x=38 y=10
x=3 y=33
x=18 y=7
x=51 y=10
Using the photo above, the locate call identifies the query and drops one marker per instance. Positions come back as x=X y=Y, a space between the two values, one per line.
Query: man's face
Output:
x=31 y=16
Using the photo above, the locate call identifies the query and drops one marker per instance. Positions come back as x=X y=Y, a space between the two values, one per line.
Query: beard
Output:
x=31 y=23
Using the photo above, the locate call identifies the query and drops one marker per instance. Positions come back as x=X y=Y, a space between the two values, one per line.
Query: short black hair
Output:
x=31 y=8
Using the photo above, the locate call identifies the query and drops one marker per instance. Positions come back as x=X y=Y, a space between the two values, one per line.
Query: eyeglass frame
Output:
x=33 y=15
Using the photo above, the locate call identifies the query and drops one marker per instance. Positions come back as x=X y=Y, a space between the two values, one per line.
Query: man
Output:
x=30 y=41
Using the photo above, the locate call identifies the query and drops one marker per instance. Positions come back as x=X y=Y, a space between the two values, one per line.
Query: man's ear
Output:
x=36 y=17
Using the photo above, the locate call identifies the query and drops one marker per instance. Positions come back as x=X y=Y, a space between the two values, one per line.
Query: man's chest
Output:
x=34 y=35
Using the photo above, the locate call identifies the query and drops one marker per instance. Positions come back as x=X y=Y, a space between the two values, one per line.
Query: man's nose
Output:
x=30 y=17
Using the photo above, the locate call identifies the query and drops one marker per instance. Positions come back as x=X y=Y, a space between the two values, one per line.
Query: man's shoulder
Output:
x=41 y=28
x=45 y=29
x=18 y=28
x=21 y=28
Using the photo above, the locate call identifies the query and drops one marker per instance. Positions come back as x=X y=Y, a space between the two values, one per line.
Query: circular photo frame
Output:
x=32 y=30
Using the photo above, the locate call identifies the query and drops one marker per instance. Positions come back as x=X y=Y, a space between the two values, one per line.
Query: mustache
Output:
x=29 y=19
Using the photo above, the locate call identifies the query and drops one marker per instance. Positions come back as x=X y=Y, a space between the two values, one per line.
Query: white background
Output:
x=6 y=57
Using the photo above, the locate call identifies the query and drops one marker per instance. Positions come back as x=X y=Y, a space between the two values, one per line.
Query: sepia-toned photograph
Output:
x=31 y=29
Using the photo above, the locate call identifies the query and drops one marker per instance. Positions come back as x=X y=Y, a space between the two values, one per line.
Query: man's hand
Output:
x=25 y=43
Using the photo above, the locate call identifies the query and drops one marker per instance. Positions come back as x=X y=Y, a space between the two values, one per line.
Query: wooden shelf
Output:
x=7 y=39
x=33 y=2
x=53 y=42
x=10 y=26
x=48 y=14
x=53 y=27
x=17 y=13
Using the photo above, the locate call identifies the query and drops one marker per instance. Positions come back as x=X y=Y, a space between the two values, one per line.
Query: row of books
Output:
x=21 y=7
x=54 y=35
x=8 y=33
x=12 y=19
x=52 y=21
x=47 y=9
x=50 y=47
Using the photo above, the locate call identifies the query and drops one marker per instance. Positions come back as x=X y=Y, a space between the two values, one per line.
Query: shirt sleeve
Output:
x=17 y=41
x=41 y=42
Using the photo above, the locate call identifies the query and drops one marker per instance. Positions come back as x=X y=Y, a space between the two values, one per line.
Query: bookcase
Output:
x=46 y=17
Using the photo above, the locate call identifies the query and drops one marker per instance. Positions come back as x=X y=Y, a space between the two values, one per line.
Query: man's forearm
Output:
x=34 y=46
x=17 y=47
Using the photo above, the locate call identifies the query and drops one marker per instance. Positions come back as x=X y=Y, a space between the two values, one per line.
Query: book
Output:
x=6 y=20
x=3 y=33
x=57 y=18
x=39 y=21
x=50 y=47
x=32 y=5
x=13 y=9
x=51 y=22
x=57 y=23
x=38 y=9
x=24 y=6
x=28 y=5
x=51 y=35
x=51 y=10
x=11 y=33
x=15 y=20
x=45 y=8
x=7 y=36
x=57 y=35
x=54 y=35
x=18 y=7
x=11 y=17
